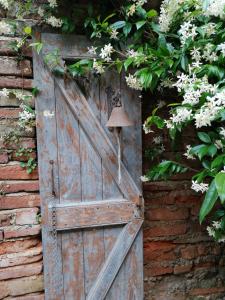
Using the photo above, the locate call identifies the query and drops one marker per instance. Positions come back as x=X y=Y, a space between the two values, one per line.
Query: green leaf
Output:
x=209 y=201
x=128 y=62
x=152 y=13
x=212 y=150
x=204 y=137
x=27 y=30
x=127 y=29
x=118 y=24
x=217 y=162
x=220 y=185
x=139 y=24
x=200 y=150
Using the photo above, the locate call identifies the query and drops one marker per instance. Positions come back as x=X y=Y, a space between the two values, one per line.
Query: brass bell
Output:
x=119 y=118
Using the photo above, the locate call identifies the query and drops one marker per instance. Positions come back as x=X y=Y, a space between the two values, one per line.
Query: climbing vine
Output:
x=183 y=49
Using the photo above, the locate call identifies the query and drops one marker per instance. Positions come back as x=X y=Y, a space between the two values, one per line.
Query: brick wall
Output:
x=20 y=245
x=181 y=261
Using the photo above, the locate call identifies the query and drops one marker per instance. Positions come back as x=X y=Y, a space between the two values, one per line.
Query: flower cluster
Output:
x=133 y=82
x=199 y=187
x=5 y=28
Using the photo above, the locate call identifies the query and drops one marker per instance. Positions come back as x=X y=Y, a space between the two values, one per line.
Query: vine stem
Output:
x=185 y=166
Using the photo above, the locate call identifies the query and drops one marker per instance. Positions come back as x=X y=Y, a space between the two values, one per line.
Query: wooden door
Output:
x=92 y=236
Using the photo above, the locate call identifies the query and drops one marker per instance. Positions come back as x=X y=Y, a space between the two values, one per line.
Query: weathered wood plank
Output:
x=91 y=174
x=114 y=260
x=70 y=188
x=103 y=213
x=47 y=150
x=100 y=142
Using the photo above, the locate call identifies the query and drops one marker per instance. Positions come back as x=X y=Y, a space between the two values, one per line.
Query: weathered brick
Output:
x=15 y=82
x=12 y=101
x=159 y=251
x=10 y=66
x=21 y=231
x=166 y=185
x=157 y=270
x=21 y=286
x=6 y=49
x=167 y=213
x=19 y=200
x=14 y=171
x=19 y=186
x=4 y=158
x=166 y=230
x=23 y=142
x=33 y=296
x=21 y=271
x=179 y=269
x=25 y=216
x=189 y=252
x=10 y=113
x=19 y=245
x=207 y=291
x=1 y=235
x=21 y=258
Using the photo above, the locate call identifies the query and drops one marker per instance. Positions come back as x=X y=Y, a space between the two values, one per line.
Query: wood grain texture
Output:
x=98 y=214
x=105 y=261
x=47 y=150
x=114 y=261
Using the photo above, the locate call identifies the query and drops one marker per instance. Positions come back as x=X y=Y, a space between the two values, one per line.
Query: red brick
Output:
x=4 y=158
x=26 y=216
x=166 y=213
x=159 y=251
x=23 y=142
x=14 y=82
x=189 y=252
x=166 y=186
x=19 y=186
x=1 y=235
x=21 y=286
x=179 y=269
x=158 y=270
x=207 y=291
x=14 y=171
x=21 y=258
x=21 y=271
x=19 y=200
x=10 y=113
x=20 y=231
x=10 y=66
x=166 y=230
x=18 y=245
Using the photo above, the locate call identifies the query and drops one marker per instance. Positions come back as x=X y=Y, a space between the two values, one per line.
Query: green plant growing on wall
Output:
x=182 y=48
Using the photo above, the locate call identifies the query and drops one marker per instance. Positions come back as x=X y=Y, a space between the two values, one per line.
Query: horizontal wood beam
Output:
x=94 y=214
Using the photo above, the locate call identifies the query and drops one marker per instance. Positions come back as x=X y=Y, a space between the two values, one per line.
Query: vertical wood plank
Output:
x=91 y=175
x=70 y=189
x=110 y=188
x=132 y=152
x=47 y=150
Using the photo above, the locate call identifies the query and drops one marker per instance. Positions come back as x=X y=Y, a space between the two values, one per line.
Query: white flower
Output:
x=140 y=2
x=106 y=52
x=222 y=132
x=4 y=4
x=195 y=53
x=169 y=124
x=168 y=10
x=218 y=144
x=157 y=140
x=181 y=115
x=41 y=12
x=221 y=47
x=98 y=67
x=146 y=128
x=131 y=10
x=188 y=154
x=113 y=34
x=52 y=3
x=216 y=8
x=211 y=231
x=216 y=224
x=187 y=30
x=210 y=29
x=144 y=178
x=191 y=97
x=92 y=50
x=4 y=93
x=132 y=53
x=5 y=28
x=54 y=22
x=199 y=187
x=133 y=82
